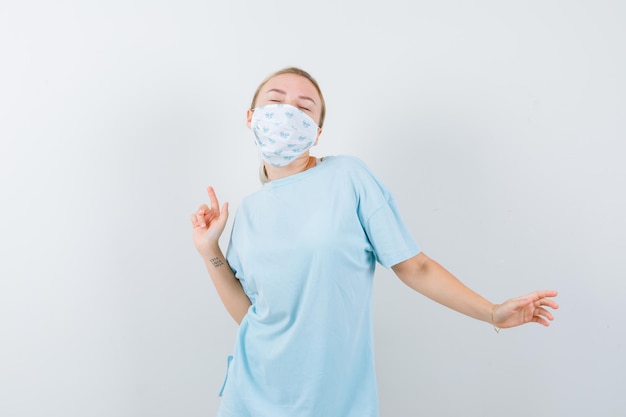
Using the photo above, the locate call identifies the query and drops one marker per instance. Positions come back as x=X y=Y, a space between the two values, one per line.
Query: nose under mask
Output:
x=282 y=133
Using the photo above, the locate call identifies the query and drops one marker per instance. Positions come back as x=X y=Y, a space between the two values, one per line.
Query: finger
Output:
x=220 y=218
x=212 y=197
x=541 y=320
x=224 y=213
x=194 y=220
x=203 y=208
x=542 y=316
x=544 y=294
x=546 y=302
x=542 y=312
x=197 y=221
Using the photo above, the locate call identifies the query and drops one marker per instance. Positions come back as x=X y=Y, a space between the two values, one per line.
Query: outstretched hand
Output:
x=208 y=223
x=526 y=309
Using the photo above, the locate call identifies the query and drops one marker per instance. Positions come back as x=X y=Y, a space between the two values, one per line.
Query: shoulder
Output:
x=355 y=172
x=348 y=163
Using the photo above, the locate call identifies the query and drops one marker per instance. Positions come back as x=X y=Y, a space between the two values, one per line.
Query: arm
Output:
x=429 y=278
x=208 y=224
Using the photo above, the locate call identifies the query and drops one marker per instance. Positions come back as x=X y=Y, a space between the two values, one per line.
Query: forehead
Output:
x=291 y=84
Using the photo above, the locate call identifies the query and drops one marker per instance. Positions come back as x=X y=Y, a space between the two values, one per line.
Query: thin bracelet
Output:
x=497 y=329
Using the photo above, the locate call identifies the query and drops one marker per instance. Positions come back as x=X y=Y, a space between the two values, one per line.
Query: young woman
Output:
x=299 y=267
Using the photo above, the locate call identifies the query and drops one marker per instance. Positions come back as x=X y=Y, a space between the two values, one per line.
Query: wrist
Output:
x=210 y=251
x=493 y=321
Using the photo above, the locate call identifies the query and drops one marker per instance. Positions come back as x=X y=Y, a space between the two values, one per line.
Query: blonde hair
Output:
x=302 y=73
x=289 y=70
x=263 y=174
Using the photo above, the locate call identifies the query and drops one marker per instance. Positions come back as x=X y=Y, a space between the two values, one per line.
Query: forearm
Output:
x=429 y=278
x=227 y=285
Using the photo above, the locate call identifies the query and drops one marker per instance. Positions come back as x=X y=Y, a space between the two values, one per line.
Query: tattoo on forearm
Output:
x=216 y=262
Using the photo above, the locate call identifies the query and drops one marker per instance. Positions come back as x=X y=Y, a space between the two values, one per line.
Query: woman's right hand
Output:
x=208 y=224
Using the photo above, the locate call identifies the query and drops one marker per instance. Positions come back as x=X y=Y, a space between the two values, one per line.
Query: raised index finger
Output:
x=213 y=198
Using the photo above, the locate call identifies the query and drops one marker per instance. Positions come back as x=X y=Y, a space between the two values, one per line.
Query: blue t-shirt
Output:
x=305 y=248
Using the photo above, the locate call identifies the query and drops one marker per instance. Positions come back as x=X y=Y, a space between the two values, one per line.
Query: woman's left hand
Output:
x=526 y=309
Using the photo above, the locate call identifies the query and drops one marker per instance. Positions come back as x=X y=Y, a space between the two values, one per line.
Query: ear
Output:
x=249 y=117
x=319 y=132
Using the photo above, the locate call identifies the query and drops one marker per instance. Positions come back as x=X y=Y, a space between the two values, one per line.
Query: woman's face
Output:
x=290 y=89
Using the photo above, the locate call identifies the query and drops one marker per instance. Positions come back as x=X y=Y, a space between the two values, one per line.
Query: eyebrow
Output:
x=276 y=90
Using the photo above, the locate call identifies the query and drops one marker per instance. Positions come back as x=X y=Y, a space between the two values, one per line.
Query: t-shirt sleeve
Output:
x=232 y=256
x=234 y=261
x=390 y=239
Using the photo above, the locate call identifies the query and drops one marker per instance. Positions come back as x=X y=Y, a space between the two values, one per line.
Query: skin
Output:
x=301 y=93
x=208 y=224
x=420 y=272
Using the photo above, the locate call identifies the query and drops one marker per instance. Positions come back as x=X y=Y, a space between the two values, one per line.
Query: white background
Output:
x=499 y=126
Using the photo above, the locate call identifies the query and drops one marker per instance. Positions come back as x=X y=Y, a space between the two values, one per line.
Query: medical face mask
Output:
x=282 y=133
